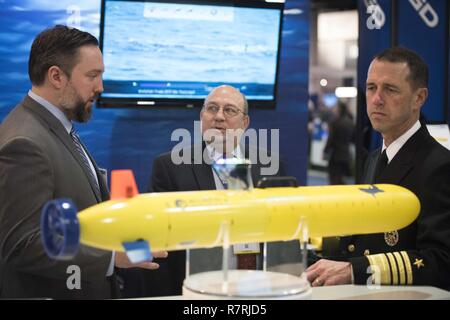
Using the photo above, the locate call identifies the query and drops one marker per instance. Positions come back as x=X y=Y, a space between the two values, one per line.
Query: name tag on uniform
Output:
x=244 y=248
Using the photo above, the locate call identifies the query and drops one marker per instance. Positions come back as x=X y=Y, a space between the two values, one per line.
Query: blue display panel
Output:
x=422 y=27
x=20 y=22
x=175 y=53
x=375 y=35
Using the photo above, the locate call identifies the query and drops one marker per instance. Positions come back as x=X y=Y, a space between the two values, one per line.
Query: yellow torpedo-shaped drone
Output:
x=187 y=220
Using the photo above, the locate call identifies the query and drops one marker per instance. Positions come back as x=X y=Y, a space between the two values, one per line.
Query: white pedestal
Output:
x=246 y=284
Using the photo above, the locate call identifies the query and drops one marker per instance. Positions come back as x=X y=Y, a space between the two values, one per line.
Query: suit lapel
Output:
x=255 y=168
x=372 y=166
x=60 y=132
x=202 y=172
x=403 y=162
x=396 y=170
x=204 y=176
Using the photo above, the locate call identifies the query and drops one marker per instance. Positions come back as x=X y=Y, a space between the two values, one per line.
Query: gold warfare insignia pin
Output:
x=419 y=263
x=391 y=238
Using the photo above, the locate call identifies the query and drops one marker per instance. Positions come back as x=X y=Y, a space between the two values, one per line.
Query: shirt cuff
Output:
x=352 y=281
x=111 y=265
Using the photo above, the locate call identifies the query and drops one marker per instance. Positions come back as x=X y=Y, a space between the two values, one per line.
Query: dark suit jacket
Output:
x=39 y=162
x=168 y=177
x=422 y=254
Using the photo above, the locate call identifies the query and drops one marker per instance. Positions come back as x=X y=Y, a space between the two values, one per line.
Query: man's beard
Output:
x=76 y=108
x=80 y=112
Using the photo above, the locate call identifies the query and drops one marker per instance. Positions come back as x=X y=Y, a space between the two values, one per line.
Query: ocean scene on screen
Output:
x=179 y=42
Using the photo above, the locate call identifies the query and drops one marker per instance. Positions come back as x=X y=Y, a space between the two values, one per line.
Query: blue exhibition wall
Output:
x=423 y=28
x=375 y=33
x=132 y=138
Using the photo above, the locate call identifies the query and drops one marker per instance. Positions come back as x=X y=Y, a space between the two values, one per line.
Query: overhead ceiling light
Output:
x=293 y=11
x=353 y=51
x=346 y=92
x=323 y=82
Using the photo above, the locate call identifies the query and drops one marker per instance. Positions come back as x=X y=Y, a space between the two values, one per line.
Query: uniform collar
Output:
x=395 y=146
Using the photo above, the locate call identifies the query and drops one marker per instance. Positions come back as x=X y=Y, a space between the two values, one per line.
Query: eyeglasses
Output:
x=228 y=111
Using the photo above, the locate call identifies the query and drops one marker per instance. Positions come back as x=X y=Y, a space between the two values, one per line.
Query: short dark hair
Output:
x=56 y=46
x=418 y=69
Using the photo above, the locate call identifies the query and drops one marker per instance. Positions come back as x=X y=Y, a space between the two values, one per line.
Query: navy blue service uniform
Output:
x=418 y=254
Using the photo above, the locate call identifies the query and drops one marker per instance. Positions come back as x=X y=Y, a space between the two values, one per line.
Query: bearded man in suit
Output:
x=43 y=158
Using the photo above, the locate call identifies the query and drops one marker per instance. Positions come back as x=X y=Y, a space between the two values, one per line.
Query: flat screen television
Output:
x=172 y=53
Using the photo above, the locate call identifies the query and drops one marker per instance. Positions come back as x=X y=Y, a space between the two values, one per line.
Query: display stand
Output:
x=245 y=284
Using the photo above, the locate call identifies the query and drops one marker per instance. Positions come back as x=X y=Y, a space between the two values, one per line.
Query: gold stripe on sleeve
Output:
x=381 y=262
x=409 y=272
x=401 y=268
x=393 y=268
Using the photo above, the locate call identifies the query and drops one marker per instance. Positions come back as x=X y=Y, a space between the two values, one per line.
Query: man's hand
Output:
x=122 y=261
x=329 y=273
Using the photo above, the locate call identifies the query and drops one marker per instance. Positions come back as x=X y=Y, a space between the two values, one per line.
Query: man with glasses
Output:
x=224 y=118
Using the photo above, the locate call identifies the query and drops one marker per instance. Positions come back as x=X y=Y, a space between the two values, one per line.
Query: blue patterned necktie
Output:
x=222 y=179
x=79 y=146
